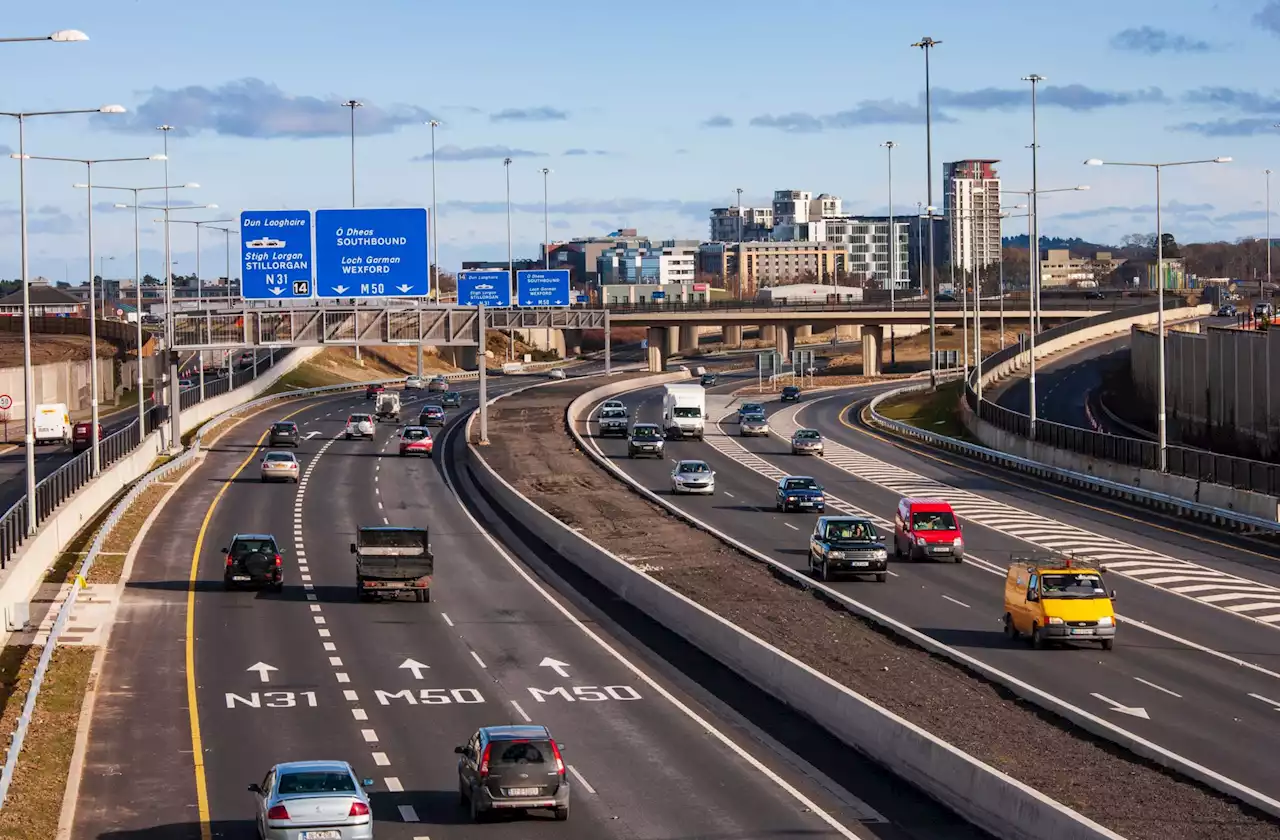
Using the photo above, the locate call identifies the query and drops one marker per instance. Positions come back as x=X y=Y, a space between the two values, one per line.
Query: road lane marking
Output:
x=478 y=660
x=343 y=677
x=311 y=596
x=792 y=527
x=324 y=633
x=335 y=661
x=393 y=785
x=369 y=736
x=314 y=607
x=1274 y=703
x=447 y=620
x=407 y=813
x=954 y=601
x=380 y=759
x=359 y=714
x=519 y=710
x=330 y=646
x=582 y=781
x=318 y=619
x=1158 y=687
x=730 y=495
x=348 y=694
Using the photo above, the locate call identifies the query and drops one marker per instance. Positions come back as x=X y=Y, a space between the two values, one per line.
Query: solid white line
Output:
x=1158 y=687
x=582 y=781
x=447 y=620
x=521 y=711
x=730 y=495
x=393 y=784
x=792 y=527
x=348 y=694
x=369 y=736
x=954 y=601
x=477 y=658
x=407 y=813
x=381 y=759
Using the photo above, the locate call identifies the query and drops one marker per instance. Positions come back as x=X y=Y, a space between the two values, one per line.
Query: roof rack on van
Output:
x=1060 y=559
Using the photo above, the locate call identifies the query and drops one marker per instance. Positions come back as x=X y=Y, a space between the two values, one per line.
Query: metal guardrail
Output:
x=1093 y=483
x=183 y=460
x=1187 y=462
x=68 y=479
x=825 y=305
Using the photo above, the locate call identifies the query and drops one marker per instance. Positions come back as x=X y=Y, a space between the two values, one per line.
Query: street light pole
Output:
x=1034 y=254
x=889 y=146
x=1261 y=295
x=927 y=44
x=353 y=104
x=511 y=274
x=738 y=272
x=199 y=287
x=435 y=226
x=28 y=377
x=546 y=225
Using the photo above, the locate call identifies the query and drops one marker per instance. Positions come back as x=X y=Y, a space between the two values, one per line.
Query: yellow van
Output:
x=1058 y=601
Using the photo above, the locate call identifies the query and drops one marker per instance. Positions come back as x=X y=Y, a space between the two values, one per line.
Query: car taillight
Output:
x=228 y=559
x=278 y=812
x=358 y=809
x=484 y=761
x=555 y=750
x=278 y=560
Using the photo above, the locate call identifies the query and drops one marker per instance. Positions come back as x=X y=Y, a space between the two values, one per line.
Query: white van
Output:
x=684 y=409
x=53 y=423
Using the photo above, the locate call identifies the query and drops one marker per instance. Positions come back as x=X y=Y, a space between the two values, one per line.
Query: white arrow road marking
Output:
x=311 y=435
x=263 y=670
x=415 y=666
x=561 y=668
x=1136 y=711
x=1274 y=703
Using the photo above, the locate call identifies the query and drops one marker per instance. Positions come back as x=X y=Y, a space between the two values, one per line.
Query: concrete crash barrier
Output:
x=978 y=792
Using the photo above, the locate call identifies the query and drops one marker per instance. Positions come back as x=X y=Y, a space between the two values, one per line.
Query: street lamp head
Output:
x=79 y=186
x=65 y=36
x=122 y=206
x=165 y=127
x=1033 y=78
x=190 y=185
x=353 y=103
x=158 y=157
x=506 y=161
x=926 y=42
x=1082 y=188
x=112 y=109
x=1094 y=162
x=434 y=123
x=17 y=156
x=211 y=207
x=1222 y=160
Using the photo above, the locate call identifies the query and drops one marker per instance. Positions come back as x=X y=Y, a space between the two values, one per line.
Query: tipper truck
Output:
x=684 y=410
x=392 y=561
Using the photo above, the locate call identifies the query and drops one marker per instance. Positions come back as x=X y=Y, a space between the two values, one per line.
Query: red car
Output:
x=373 y=391
x=82 y=436
x=416 y=440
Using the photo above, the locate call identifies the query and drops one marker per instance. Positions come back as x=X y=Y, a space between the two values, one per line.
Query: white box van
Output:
x=684 y=410
x=53 y=423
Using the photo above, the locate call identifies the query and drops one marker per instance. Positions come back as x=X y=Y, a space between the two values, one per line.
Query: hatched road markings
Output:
x=1182 y=577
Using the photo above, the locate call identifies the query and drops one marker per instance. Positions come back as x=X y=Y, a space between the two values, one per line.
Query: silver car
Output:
x=279 y=466
x=414 y=383
x=312 y=800
x=693 y=477
x=358 y=425
x=753 y=425
x=806 y=442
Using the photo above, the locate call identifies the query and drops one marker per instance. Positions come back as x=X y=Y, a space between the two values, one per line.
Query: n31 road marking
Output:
x=272 y=699
x=443 y=696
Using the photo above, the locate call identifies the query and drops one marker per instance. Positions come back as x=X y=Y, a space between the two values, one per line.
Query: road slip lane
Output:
x=474 y=656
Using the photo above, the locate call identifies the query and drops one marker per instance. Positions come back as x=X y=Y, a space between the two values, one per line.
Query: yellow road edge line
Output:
x=1027 y=487
x=193 y=711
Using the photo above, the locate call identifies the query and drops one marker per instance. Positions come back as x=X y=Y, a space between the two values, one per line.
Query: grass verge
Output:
x=41 y=775
x=936 y=411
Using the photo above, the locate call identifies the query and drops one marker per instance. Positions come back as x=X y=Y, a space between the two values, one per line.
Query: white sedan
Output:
x=414 y=383
x=279 y=466
x=693 y=477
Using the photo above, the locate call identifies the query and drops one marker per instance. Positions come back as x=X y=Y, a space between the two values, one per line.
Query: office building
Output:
x=642 y=262
x=1059 y=268
x=866 y=239
x=745 y=224
x=971 y=203
x=792 y=206
x=580 y=255
x=752 y=266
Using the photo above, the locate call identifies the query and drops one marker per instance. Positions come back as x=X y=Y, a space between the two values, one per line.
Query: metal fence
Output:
x=66 y=480
x=1187 y=462
x=835 y=303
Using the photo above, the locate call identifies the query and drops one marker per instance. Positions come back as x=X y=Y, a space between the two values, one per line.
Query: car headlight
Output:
x=791 y=498
x=920 y=541
x=1106 y=621
x=958 y=542
x=1053 y=619
x=881 y=554
x=835 y=555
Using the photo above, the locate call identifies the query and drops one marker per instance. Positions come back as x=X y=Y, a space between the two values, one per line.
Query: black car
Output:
x=847 y=545
x=1226 y=311
x=253 y=560
x=708 y=379
x=945 y=297
x=799 y=492
x=1095 y=295
x=791 y=393
x=284 y=433
x=512 y=768
x=645 y=439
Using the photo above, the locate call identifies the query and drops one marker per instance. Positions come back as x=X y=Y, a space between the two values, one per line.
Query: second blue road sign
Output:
x=491 y=287
x=543 y=288
x=364 y=253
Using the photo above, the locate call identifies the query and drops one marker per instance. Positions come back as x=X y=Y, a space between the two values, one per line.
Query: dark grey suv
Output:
x=516 y=768
x=645 y=439
x=284 y=433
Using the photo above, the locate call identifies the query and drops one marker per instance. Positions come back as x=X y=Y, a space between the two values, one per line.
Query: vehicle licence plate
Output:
x=321 y=835
x=859 y=563
x=806 y=504
x=533 y=791
x=1087 y=631
x=240 y=577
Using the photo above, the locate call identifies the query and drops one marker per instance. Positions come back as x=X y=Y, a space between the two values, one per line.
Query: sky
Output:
x=646 y=119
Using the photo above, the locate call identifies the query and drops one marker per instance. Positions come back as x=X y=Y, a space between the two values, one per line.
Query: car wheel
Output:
x=1037 y=637
x=1010 y=631
x=278 y=587
x=263 y=479
x=1108 y=644
x=477 y=814
x=562 y=814
x=462 y=793
x=823 y=574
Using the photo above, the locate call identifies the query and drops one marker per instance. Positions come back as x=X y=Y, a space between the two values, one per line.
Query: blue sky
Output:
x=647 y=118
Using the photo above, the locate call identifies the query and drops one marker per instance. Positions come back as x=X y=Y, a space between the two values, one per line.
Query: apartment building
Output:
x=792 y=206
x=745 y=224
x=866 y=239
x=672 y=261
x=971 y=203
x=1059 y=268
x=752 y=266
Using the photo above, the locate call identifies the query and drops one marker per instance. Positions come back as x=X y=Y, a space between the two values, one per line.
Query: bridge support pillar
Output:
x=671 y=347
x=689 y=338
x=731 y=336
x=572 y=342
x=767 y=333
x=804 y=331
x=848 y=332
x=872 y=349
x=657 y=349
x=785 y=339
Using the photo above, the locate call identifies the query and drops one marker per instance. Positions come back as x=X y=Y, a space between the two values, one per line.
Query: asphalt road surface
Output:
x=394 y=686
x=1196 y=666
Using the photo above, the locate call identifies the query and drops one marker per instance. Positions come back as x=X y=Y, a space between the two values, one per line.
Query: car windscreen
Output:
x=515 y=754
x=801 y=484
x=453 y=395
x=749 y=408
x=359 y=418
x=316 y=782
x=279 y=456
x=933 y=521
x=613 y=413
x=807 y=434
x=694 y=467
x=1072 y=586
x=415 y=434
x=791 y=389
x=686 y=411
x=644 y=432
x=851 y=531
x=242 y=547
x=283 y=427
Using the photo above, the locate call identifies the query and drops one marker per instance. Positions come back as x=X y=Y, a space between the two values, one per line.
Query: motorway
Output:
x=1196 y=667
x=393 y=687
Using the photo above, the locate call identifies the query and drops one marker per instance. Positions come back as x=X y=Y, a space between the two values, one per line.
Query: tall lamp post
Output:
x=511 y=273
x=889 y=146
x=137 y=286
x=1160 y=282
x=435 y=227
x=927 y=44
x=1260 y=292
x=546 y=224
x=226 y=232
x=352 y=104
x=28 y=380
x=738 y=272
x=96 y=457
x=199 y=287
x=1034 y=244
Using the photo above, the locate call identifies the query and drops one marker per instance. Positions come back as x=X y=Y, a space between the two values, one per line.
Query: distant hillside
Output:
x=1075 y=244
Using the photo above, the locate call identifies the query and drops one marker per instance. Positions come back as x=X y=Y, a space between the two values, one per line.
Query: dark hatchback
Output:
x=512 y=768
x=791 y=393
x=432 y=415
x=253 y=560
x=284 y=433
x=708 y=379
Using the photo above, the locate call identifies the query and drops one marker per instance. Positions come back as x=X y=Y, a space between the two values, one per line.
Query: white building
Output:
x=748 y=224
x=971 y=203
x=812 y=292
x=865 y=238
x=793 y=206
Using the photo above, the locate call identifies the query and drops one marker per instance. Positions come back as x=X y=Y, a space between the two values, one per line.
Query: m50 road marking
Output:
x=468 y=696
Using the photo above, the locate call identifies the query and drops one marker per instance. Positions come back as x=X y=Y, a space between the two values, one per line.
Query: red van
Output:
x=82 y=436
x=927 y=528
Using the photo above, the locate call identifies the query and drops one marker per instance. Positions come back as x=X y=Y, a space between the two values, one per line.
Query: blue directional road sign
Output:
x=363 y=253
x=275 y=254
x=543 y=288
x=491 y=288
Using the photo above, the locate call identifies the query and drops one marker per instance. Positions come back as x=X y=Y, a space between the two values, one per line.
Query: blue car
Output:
x=800 y=492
